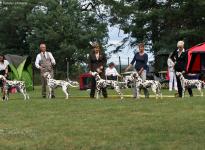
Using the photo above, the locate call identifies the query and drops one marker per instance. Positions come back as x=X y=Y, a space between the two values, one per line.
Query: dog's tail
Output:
x=70 y=84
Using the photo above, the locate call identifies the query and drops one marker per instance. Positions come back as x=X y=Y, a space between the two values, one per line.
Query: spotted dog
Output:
x=185 y=83
x=128 y=81
x=52 y=84
x=19 y=85
x=101 y=83
x=139 y=83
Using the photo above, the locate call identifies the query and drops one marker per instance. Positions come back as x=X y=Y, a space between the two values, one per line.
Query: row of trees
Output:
x=68 y=25
x=63 y=25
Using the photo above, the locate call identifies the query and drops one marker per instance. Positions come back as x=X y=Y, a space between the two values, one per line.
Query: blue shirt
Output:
x=140 y=61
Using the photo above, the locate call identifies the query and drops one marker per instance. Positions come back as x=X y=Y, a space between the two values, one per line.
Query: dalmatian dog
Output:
x=101 y=83
x=139 y=83
x=128 y=80
x=19 y=85
x=52 y=84
x=185 y=83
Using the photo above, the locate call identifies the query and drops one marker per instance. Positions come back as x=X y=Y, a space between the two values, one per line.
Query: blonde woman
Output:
x=180 y=58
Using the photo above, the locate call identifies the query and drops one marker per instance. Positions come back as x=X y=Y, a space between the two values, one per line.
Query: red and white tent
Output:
x=196 y=59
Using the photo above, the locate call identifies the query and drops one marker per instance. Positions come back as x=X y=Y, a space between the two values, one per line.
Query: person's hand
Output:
x=99 y=70
x=101 y=67
x=126 y=69
x=5 y=75
x=140 y=72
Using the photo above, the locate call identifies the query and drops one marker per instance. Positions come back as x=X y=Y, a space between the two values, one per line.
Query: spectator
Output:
x=172 y=75
x=111 y=72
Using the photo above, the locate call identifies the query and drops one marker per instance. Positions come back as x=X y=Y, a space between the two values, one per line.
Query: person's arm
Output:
x=52 y=58
x=131 y=64
x=38 y=58
x=6 y=69
x=115 y=70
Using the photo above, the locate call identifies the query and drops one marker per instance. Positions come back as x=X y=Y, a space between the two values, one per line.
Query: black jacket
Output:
x=180 y=61
x=93 y=63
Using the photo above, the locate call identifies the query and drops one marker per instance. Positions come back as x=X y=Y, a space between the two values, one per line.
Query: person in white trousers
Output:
x=172 y=75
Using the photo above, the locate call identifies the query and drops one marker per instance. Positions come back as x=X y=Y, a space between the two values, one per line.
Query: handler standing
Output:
x=45 y=62
x=96 y=62
x=140 y=60
x=179 y=56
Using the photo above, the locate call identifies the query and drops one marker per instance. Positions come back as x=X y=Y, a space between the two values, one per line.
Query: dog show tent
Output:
x=20 y=68
x=196 y=59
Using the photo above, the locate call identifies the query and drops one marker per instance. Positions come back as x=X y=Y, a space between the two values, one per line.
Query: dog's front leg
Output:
x=22 y=91
x=137 y=92
x=160 y=93
x=199 y=89
x=183 y=92
x=117 y=89
x=98 y=93
x=49 y=92
x=6 y=95
x=27 y=95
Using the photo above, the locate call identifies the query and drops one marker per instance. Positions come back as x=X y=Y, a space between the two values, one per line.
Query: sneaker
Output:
x=43 y=96
x=53 y=96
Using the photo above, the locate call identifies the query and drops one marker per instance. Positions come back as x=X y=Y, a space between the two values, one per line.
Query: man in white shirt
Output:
x=45 y=62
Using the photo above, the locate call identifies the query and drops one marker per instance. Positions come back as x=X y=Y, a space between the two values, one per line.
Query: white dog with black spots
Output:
x=154 y=85
x=52 y=84
x=101 y=83
x=19 y=85
x=185 y=83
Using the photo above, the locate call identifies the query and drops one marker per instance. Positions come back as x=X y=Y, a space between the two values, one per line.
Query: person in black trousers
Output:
x=96 y=63
x=180 y=58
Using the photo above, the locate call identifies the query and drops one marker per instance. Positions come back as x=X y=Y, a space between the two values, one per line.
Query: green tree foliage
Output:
x=63 y=25
x=160 y=23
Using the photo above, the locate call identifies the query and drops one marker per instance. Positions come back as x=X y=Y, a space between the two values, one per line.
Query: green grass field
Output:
x=83 y=123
